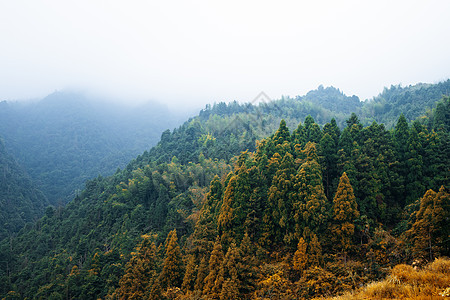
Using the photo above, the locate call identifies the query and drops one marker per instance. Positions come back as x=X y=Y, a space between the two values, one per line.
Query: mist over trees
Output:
x=67 y=138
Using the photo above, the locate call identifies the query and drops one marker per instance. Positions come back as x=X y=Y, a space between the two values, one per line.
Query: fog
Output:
x=189 y=53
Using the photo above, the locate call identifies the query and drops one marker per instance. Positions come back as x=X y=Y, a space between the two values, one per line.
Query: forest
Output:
x=286 y=200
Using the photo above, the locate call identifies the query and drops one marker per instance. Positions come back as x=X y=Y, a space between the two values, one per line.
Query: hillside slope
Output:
x=67 y=138
x=20 y=201
x=270 y=212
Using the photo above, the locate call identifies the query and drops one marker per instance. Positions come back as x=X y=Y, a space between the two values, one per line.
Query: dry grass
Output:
x=406 y=282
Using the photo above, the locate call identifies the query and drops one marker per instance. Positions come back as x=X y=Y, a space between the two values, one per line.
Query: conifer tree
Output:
x=431 y=230
x=228 y=269
x=242 y=203
x=210 y=289
x=300 y=260
x=281 y=135
x=314 y=252
x=225 y=220
x=206 y=227
x=313 y=133
x=329 y=160
x=140 y=278
x=230 y=290
x=345 y=211
x=310 y=208
x=333 y=130
x=298 y=136
x=247 y=266
x=281 y=197
x=414 y=178
x=190 y=274
x=172 y=272
x=203 y=271
x=441 y=120
x=275 y=143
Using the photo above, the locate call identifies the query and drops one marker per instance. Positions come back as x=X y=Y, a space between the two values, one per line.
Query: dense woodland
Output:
x=244 y=202
x=21 y=201
x=67 y=138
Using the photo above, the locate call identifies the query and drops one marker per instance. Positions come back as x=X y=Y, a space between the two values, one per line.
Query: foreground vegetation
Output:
x=407 y=282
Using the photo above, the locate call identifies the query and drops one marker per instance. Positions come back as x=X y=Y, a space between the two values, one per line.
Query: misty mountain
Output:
x=20 y=201
x=67 y=138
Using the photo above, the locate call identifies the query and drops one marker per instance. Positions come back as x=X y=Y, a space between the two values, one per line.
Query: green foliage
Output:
x=66 y=138
x=20 y=201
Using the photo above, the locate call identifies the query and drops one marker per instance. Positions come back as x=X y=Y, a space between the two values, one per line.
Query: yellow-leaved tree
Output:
x=345 y=211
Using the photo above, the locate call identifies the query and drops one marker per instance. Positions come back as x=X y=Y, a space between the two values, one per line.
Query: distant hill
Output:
x=20 y=201
x=413 y=101
x=67 y=138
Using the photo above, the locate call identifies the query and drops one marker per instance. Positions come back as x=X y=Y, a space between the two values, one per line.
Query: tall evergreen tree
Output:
x=345 y=211
x=430 y=232
x=205 y=229
x=140 y=279
x=211 y=289
x=310 y=208
x=190 y=274
x=172 y=272
x=281 y=197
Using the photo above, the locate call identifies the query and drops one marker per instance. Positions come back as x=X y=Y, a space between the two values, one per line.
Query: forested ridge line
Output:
x=306 y=212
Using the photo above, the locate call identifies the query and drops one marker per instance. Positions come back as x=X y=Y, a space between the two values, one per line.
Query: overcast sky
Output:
x=206 y=51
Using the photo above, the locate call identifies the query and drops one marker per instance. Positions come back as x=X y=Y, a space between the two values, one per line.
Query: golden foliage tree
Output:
x=172 y=272
x=211 y=289
x=140 y=278
x=300 y=259
x=430 y=232
x=190 y=274
x=345 y=211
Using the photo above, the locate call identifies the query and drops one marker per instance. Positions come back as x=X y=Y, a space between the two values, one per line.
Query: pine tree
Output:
x=225 y=221
x=310 y=208
x=242 y=203
x=246 y=266
x=172 y=272
x=311 y=134
x=190 y=274
x=206 y=227
x=298 y=136
x=401 y=142
x=282 y=134
x=431 y=230
x=230 y=290
x=414 y=164
x=329 y=158
x=140 y=278
x=281 y=197
x=300 y=260
x=215 y=261
x=203 y=271
x=344 y=213
x=314 y=251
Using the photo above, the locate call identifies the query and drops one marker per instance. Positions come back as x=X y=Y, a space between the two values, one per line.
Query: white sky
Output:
x=199 y=52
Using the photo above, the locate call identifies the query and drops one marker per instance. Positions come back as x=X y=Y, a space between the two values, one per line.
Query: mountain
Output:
x=20 y=201
x=412 y=101
x=252 y=207
x=67 y=138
